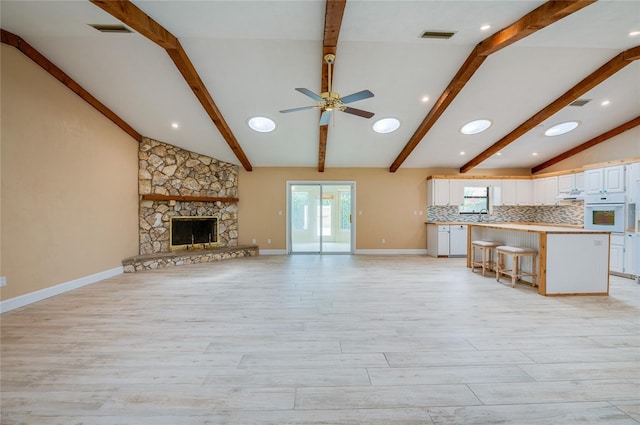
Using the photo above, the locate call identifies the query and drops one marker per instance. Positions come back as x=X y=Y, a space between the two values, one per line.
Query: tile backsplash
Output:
x=571 y=213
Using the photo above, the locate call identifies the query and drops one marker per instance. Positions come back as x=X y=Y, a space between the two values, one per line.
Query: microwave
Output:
x=604 y=212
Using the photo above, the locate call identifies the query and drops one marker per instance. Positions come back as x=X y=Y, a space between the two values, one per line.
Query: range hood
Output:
x=574 y=195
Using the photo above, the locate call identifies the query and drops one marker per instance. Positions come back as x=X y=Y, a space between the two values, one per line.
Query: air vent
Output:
x=111 y=28
x=580 y=102
x=440 y=35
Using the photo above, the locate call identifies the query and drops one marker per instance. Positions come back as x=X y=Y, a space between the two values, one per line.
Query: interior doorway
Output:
x=320 y=217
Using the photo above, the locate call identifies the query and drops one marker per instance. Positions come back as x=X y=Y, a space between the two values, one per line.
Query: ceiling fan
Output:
x=330 y=101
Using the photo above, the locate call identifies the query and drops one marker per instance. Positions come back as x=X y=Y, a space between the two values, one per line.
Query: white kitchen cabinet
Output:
x=616 y=253
x=633 y=175
x=604 y=180
x=456 y=191
x=571 y=182
x=616 y=258
x=437 y=240
x=507 y=194
x=437 y=192
x=458 y=240
x=516 y=192
x=444 y=240
x=524 y=192
x=580 y=182
x=614 y=179
x=545 y=191
x=630 y=254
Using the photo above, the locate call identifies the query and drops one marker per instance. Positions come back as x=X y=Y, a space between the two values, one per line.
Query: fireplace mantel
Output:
x=156 y=197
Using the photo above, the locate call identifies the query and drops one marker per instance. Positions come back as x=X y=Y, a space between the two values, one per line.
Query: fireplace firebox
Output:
x=187 y=232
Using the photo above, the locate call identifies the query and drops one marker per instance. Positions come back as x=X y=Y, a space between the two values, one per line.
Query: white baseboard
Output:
x=392 y=251
x=358 y=251
x=273 y=252
x=42 y=294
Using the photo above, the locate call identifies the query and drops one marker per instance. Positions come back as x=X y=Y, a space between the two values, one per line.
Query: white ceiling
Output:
x=252 y=54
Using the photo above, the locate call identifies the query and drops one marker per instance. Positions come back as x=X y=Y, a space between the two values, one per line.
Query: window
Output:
x=476 y=200
x=345 y=211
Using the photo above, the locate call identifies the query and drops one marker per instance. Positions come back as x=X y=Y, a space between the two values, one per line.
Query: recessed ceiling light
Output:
x=175 y=125
x=561 y=128
x=499 y=153
x=475 y=127
x=425 y=99
x=605 y=102
x=461 y=152
x=386 y=125
x=485 y=27
x=634 y=33
x=535 y=154
x=261 y=124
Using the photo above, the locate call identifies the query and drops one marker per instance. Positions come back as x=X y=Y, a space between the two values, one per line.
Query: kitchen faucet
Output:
x=480 y=213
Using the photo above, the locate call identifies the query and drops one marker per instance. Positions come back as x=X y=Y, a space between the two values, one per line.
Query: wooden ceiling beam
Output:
x=543 y=16
x=28 y=50
x=588 y=144
x=334 y=11
x=588 y=83
x=135 y=18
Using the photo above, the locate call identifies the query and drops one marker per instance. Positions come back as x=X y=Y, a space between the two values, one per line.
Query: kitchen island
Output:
x=571 y=261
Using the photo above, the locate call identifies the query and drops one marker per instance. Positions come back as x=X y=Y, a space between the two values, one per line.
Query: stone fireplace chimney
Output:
x=173 y=182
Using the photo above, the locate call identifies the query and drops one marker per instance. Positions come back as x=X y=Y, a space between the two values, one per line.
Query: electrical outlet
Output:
x=269 y=241
x=3 y=281
x=383 y=241
x=253 y=241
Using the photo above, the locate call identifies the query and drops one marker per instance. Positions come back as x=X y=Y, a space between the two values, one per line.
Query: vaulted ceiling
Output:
x=211 y=65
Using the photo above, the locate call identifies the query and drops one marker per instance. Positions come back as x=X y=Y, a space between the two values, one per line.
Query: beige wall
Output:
x=69 y=183
x=387 y=202
x=623 y=146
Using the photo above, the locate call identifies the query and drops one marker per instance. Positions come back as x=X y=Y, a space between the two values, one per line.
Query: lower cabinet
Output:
x=447 y=240
x=616 y=253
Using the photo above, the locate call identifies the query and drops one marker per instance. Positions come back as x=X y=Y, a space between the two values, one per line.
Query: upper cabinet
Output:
x=604 y=180
x=545 y=191
x=437 y=192
x=450 y=192
x=515 y=192
x=571 y=183
x=633 y=176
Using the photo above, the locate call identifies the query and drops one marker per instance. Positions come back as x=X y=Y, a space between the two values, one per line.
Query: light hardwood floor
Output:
x=322 y=340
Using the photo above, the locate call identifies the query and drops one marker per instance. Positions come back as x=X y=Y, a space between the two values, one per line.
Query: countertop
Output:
x=537 y=228
x=523 y=223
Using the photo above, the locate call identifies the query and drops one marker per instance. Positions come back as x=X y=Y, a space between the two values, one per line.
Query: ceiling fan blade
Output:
x=364 y=94
x=298 y=109
x=325 y=117
x=309 y=93
x=358 y=112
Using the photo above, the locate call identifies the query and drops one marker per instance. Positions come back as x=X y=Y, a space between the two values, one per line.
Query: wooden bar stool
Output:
x=516 y=271
x=486 y=261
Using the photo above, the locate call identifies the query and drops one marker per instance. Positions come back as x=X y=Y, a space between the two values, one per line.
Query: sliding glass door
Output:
x=320 y=217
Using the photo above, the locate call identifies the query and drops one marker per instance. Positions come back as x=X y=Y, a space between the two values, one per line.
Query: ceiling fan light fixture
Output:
x=562 y=128
x=475 y=127
x=261 y=124
x=386 y=125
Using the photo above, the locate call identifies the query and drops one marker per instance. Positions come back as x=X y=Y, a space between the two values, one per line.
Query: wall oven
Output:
x=604 y=212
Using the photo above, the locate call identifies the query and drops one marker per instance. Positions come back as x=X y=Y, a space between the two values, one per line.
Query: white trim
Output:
x=350 y=183
x=273 y=252
x=26 y=299
x=392 y=251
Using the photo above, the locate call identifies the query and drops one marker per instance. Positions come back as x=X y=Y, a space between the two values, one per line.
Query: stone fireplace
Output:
x=188 y=209
x=173 y=184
